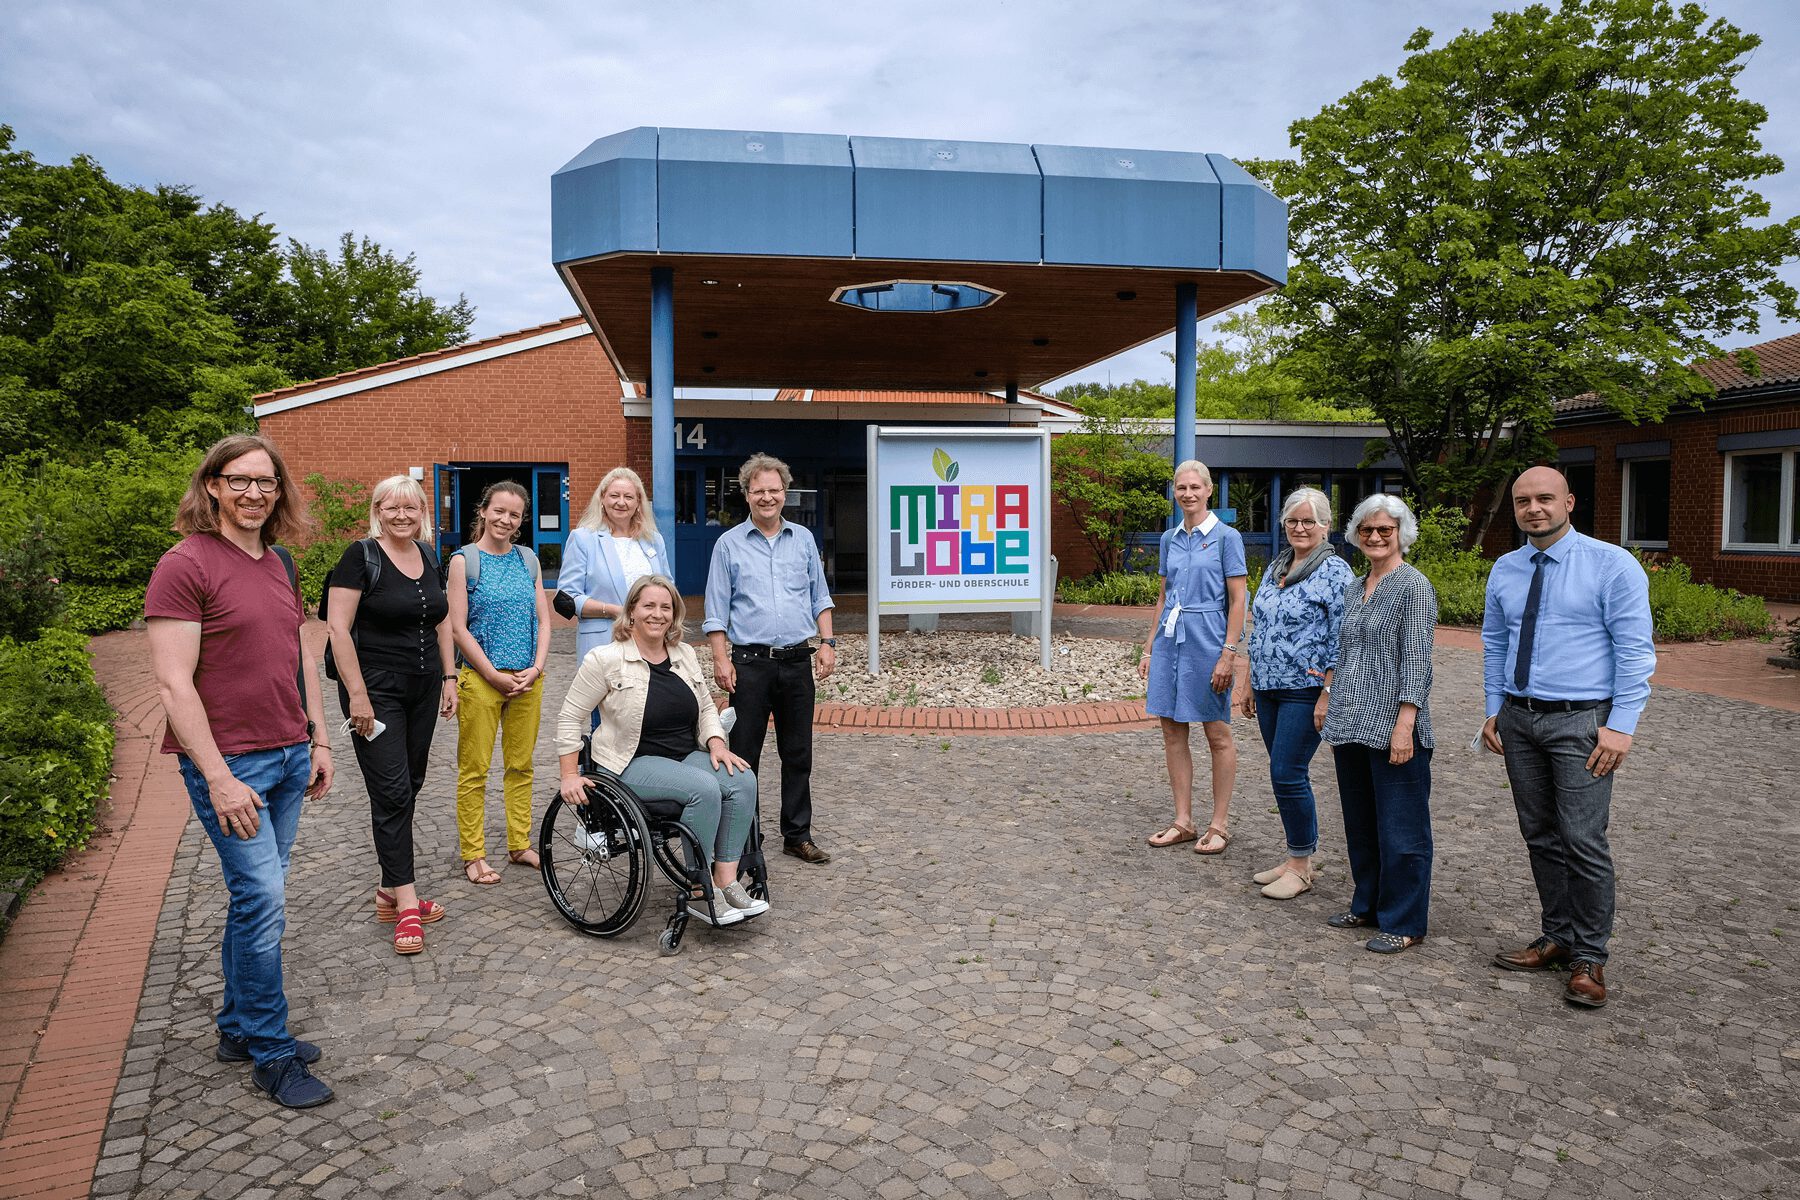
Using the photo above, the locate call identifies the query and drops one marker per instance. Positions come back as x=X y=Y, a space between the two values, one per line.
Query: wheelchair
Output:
x=596 y=860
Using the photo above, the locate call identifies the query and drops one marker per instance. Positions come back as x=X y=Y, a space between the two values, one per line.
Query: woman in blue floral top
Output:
x=1293 y=650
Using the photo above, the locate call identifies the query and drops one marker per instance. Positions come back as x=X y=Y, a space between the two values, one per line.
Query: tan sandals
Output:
x=1213 y=831
x=1174 y=835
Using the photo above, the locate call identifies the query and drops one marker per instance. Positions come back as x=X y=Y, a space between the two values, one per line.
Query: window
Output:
x=1645 y=521
x=1762 y=510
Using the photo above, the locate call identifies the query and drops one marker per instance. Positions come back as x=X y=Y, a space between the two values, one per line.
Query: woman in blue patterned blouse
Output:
x=1378 y=722
x=1191 y=654
x=1293 y=649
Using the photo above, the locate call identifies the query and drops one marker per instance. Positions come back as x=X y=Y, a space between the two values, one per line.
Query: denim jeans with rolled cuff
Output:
x=254 y=1004
x=1285 y=717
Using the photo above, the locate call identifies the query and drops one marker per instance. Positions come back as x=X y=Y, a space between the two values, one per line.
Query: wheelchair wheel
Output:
x=596 y=861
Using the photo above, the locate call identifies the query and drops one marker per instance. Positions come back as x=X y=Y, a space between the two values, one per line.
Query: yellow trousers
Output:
x=481 y=710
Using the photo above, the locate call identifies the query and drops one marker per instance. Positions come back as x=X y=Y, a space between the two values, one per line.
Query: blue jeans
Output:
x=716 y=805
x=1285 y=716
x=1387 y=835
x=254 y=1007
x=1563 y=814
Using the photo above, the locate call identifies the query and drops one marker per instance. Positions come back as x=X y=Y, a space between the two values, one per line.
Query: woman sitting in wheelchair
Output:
x=655 y=709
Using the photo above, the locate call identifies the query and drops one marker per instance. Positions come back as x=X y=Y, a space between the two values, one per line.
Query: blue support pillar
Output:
x=662 y=404
x=1187 y=319
x=1012 y=392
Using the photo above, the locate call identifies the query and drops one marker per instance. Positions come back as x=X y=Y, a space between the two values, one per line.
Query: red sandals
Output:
x=409 y=932
x=387 y=911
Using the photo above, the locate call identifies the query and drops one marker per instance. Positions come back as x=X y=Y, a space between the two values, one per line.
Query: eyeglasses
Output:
x=400 y=510
x=761 y=493
x=266 y=484
x=1383 y=532
x=1299 y=522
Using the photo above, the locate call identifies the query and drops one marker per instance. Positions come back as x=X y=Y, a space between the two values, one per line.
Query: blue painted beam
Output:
x=1187 y=369
x=662 y=403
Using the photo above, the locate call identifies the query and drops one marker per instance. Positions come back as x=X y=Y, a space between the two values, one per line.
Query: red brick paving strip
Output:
x=72 y=966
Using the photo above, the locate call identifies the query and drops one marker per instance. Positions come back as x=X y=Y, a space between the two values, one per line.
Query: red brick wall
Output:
x=1696 y=492
x=553 y=404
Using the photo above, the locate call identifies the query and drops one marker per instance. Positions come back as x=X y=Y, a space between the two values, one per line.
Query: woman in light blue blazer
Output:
x=614 y=544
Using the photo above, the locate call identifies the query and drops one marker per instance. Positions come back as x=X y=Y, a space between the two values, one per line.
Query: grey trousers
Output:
x=1563 y=813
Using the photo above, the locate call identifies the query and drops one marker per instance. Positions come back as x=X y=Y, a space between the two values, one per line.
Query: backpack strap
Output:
x=293 y=574
x=471 y=557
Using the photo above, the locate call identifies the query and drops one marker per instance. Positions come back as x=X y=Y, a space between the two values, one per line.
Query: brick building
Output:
x=1715 y=485
x=545 y=406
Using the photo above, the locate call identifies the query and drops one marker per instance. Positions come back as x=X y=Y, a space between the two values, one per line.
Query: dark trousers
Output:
x=1563 y=814
x=393 y=765
x=1387 y=835
x=784 y=690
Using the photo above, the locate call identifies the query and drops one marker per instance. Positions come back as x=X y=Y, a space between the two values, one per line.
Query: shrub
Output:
x=30 y=598
x=314 y=564
x=1458 y=576
x=99 y=607
x=56 y=744
x=1110 y=587
x=1685 y=611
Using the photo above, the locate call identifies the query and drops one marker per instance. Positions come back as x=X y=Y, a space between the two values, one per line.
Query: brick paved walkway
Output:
x=997 y=990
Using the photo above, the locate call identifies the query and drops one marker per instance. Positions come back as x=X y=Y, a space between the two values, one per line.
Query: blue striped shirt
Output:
x=1594 y=634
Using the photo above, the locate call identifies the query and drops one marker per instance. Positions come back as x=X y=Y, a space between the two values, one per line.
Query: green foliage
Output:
x=1557 y=204
x=30 y=599
x=1685 y=611
x=1112 y=481
x=56 y=743
x=340 y=512
x=314 y=564
x=100 y=607
x=360 y=308
x=1461 y=584
x=1110 y=587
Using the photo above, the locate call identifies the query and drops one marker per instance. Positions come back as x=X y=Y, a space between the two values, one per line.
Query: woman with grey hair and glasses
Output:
x=1293 y=651
x=1378 y=721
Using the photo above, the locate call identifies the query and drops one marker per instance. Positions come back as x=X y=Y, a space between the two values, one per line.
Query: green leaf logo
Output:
x=944 y=465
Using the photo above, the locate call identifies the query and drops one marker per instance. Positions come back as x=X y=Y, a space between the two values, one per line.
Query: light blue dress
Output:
x=1190 y=630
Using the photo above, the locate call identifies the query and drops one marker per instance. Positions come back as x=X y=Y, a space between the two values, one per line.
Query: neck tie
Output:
x=1528 y=624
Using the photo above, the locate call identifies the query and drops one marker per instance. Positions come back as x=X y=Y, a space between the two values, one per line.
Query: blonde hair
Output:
x=621 y=630
x=759 y=462
x=643 y=526
x=1198 y=468
x=403 y=487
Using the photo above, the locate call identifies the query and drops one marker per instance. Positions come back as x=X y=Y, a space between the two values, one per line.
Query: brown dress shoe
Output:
x=1587 y=985
x=806 y=852
x=1541 y=955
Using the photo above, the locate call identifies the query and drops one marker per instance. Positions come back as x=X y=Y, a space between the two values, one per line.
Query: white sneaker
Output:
x=727 y=915
x=740 y=899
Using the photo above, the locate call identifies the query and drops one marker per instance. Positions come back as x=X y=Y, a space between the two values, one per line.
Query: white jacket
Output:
x=615 y=679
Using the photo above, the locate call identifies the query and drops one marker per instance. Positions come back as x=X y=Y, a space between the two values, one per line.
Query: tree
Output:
x=1114 y=479
x=1556 y=205
x=360 y=308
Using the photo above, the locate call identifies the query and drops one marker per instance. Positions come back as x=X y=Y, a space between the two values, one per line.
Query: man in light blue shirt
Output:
x=765 y=591
x=1566 y=664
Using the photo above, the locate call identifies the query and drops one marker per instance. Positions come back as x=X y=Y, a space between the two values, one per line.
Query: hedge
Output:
x=56 y=748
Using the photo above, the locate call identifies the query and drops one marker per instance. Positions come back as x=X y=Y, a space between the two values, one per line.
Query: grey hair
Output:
x=404 y=487
x=1392 y=506
x=759 y=462
x=1197 y=467
x=1321 y=504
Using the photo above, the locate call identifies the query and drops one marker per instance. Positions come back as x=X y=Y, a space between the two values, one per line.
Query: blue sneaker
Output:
x=233 y=1049
x=290 y=1084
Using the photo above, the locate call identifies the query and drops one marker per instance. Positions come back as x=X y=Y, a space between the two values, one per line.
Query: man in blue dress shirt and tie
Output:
x=1567 y=659
x=765 y=591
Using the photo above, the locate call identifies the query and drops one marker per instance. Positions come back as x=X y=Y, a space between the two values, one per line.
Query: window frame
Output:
x=1787 y=530
x=1627 y=466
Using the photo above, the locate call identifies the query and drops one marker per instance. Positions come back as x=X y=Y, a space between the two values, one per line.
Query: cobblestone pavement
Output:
x=996 y=989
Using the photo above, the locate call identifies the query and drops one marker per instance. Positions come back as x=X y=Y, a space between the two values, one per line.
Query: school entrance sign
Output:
x=959 y=521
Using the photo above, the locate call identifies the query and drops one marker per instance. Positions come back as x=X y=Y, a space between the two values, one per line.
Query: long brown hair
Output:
x=511 y=488
x=199 y=512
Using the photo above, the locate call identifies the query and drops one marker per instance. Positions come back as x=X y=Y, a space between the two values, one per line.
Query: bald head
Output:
x=1542 y=503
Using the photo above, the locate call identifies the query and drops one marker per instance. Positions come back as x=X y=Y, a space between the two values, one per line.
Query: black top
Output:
x=396 y=623
x=671 y=716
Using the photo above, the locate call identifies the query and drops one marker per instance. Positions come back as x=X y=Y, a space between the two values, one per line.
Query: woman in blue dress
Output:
x=1190 y=657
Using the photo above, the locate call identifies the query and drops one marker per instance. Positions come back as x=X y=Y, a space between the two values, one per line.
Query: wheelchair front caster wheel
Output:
x=669 y=940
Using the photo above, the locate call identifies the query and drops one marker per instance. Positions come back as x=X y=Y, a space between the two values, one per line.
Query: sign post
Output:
x=959 y=521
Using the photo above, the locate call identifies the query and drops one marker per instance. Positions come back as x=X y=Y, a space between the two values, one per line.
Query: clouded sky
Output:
x=434 y=128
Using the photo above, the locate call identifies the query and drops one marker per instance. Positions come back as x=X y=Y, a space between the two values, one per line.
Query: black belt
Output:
x=1535 y=705
x=752 y=651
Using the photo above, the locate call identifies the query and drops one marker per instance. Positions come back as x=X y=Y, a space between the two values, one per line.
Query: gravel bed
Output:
x=979 y=670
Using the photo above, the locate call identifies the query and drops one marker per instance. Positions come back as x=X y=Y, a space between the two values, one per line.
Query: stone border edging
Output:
x=1113 y=716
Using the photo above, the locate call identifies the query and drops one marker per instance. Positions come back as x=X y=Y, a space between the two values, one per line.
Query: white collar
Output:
x=1205 y=527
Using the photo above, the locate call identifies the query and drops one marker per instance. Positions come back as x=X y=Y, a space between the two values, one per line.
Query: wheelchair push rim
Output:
x=595 y=861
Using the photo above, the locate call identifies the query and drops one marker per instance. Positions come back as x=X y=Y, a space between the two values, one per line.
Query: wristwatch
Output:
x=830 y=641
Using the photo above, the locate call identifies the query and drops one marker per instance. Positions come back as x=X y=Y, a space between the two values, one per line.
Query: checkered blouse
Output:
x=1384 y=660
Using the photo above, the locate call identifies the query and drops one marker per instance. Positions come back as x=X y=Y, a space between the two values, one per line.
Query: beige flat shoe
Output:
x=1287 y=885
x=1274 y=872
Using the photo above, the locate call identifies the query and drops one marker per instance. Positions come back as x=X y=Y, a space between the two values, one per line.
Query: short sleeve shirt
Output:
x=249 y=616
x=396 y=622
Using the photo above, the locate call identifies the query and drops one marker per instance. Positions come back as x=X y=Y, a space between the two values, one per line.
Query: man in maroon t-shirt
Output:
x=245 y=717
